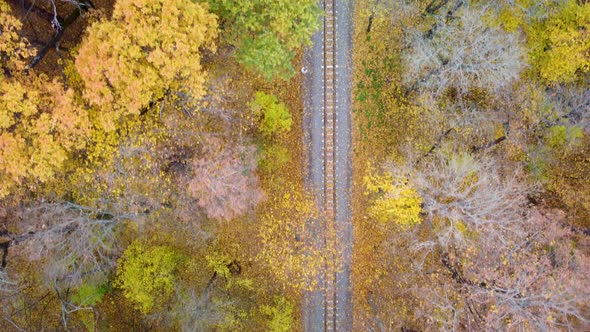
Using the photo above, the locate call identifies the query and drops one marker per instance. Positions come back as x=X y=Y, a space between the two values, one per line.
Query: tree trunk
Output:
x=54 y=41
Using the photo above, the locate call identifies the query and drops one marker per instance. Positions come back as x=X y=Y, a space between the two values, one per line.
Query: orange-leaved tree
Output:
x=147 y=50
x=40 y=124
x=13 y=49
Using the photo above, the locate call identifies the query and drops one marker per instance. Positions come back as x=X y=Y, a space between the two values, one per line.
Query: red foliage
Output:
x=224 y=182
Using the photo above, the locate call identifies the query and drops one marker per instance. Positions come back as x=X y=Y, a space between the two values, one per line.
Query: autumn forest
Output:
x=154 y=165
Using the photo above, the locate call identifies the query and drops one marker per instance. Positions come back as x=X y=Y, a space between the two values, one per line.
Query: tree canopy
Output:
x=268 y=33
x=154 y=177
x=146 y=274
x=147 y=50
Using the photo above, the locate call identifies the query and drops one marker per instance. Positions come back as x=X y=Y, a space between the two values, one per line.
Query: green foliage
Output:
x=267 y=55
x=274 y=157
x=220 y=264
x=559 y=44
x=90 y=295
x=537 y=166
x=226 y=268
x=268 y=32
x=559 y=136
x=380 y=104
x=557 y=140
x=373 y=90
x=274 y=116
x=281 y=315
x=146 y=274
x=87 y=318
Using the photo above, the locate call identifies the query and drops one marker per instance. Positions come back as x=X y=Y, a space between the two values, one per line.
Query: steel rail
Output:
x=330 y=304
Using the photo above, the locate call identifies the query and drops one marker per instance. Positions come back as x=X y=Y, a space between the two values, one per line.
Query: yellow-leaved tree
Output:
x=557 y=35
x=147 y=274
x=40 y=123
x=13 y=49
x=560 y=43
x=147 y=50
x=40 y=126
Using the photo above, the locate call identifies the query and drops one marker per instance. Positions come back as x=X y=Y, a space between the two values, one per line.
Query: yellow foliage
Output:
x=375 y=183
x=146 y=50
x=14 y=50
x=392 y=199
x=569 y=180
x=557 y=34
x=221 y=264
x=460 y=226
x=147 y=274
x=560 y=44
x=281 y=315
x=285 y=251
x=397 y=202
x=124 y=165
x=40 y=126
x=380 y=104
x=511 y=17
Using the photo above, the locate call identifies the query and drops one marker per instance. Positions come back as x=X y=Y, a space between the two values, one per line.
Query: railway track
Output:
x=329 y=77
x=327 y=121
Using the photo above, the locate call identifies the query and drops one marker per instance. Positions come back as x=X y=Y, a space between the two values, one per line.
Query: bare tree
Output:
x=198 y=312
x=540 y=282
x=484 y=257
x=70 y=244
x=223 y=181
x=461 y=192
x=77 y=243
x=7 y=285
x=571 y=104
x=463 y=54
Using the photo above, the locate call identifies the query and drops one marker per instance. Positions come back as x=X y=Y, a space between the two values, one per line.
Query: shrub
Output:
x=274 y=116
x=146 y=274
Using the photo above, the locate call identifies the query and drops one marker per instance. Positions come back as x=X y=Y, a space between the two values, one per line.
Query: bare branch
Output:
x=463 y=54
x=60 y=28
x=224 y=182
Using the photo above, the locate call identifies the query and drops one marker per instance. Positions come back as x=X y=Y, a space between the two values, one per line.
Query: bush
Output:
x=274 y=116
x=146 y=274
x=281 y=315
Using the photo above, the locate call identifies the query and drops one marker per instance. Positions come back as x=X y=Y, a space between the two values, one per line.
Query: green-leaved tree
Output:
x=146 y=274
x=268 y=33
